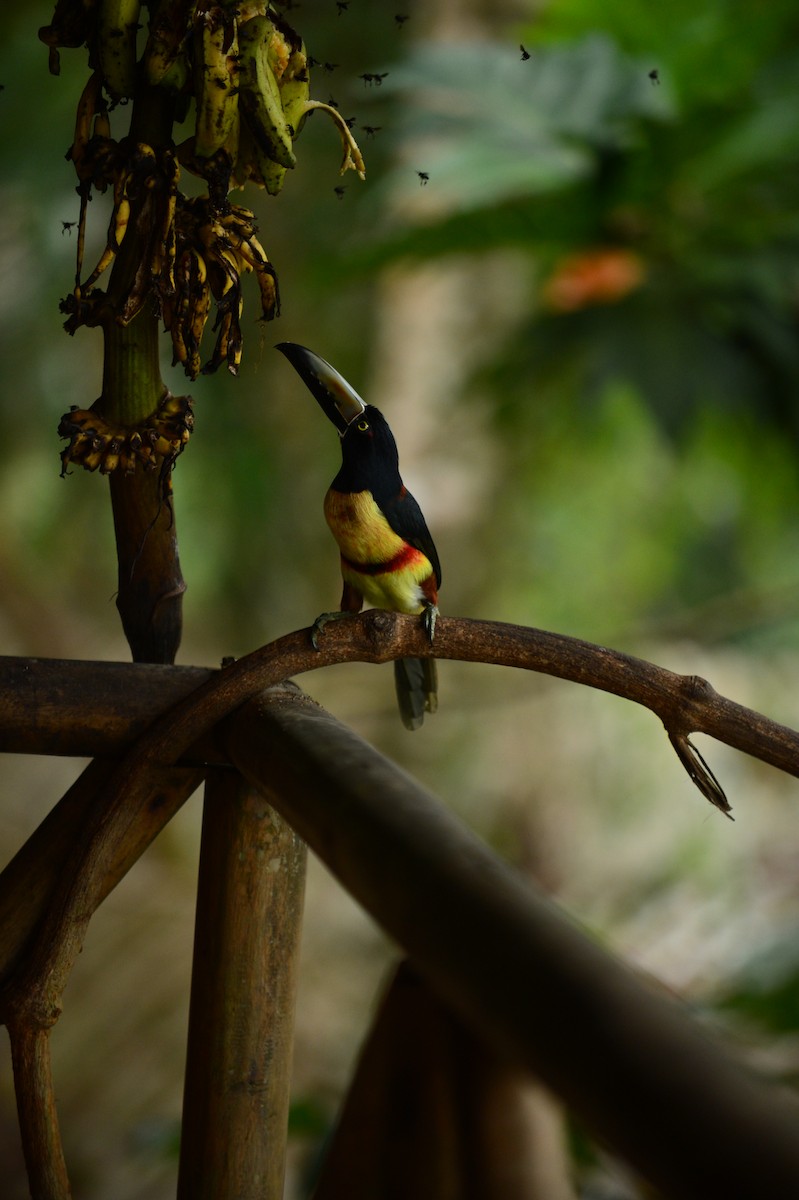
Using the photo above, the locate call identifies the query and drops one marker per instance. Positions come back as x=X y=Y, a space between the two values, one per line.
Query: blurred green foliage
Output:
x=668 y=411
x=662 y=411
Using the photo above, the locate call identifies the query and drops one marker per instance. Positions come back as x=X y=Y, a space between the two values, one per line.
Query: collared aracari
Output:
x=387 y=554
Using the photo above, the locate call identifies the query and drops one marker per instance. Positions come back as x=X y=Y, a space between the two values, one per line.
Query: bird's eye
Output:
x=363 y=426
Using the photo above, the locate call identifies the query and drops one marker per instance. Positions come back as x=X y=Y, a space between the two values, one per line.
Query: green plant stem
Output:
x=150 y=584
x=132 y=383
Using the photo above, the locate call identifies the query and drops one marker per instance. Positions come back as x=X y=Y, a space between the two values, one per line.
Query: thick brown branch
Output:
x=48 y=720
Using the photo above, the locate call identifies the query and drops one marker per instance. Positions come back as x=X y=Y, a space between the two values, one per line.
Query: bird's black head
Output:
x=370 y=461
x=368 y=449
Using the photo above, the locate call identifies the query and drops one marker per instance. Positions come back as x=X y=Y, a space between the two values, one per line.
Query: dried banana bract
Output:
x=145 y=191
x=247 y=74
x=214 y=250
x=95 y=444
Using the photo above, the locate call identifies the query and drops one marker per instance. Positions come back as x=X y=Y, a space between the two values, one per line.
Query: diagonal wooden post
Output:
x=644 y=1078
x=238 y=1069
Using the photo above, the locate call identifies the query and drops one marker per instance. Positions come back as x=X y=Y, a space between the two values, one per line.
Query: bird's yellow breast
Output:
x=362 y=532
x=375 y=560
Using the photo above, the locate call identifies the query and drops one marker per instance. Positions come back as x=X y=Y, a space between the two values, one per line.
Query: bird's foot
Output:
x=429 y=616
x=320 y=622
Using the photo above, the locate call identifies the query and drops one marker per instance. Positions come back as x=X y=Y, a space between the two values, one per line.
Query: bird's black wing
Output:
x=406 y=519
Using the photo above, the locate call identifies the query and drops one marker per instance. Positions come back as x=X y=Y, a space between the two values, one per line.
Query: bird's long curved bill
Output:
x=336 y=397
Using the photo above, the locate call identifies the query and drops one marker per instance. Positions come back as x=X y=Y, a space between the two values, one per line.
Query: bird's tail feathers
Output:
x=416 y=681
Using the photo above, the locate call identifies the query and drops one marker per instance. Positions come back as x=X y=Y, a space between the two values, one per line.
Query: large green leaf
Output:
x=498 y=128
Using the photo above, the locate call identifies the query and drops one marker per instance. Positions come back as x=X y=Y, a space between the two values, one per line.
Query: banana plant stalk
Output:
x=150 y=583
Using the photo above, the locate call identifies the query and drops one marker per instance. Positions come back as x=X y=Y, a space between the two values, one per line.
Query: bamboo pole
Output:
x=88 y=709
x=238 y=1066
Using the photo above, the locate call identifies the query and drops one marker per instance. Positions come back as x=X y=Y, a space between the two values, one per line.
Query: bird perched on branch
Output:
x=387 y=554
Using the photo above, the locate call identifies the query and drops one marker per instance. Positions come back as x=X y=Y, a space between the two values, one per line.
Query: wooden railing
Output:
x=280 y=773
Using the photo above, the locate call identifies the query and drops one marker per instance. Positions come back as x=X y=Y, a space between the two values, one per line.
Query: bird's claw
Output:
x=320 y=623
x=429 y=616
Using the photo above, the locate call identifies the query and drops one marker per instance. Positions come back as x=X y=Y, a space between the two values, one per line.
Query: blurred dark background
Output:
x=583 y=329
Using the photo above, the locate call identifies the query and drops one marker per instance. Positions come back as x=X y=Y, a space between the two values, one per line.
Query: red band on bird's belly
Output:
x=407 y=554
